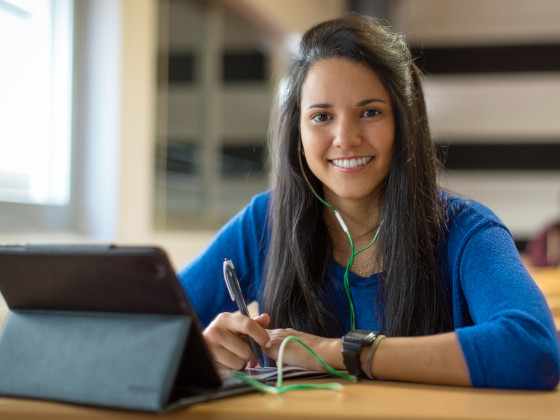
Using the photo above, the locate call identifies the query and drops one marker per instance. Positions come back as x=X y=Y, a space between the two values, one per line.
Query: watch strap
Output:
x=352 y=344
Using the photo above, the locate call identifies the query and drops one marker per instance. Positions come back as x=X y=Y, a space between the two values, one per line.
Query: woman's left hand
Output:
x=328 y=349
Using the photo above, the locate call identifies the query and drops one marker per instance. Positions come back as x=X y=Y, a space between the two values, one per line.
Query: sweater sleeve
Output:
x=244 y=241
x=513 y=342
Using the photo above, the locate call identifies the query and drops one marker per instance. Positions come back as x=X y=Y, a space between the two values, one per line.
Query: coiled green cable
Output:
x=279 y=388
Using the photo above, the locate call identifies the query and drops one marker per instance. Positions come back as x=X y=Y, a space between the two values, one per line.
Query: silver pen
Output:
x=234 y=289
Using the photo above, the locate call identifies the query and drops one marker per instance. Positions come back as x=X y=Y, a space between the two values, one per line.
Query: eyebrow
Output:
x=361 y=103
x=369 y=101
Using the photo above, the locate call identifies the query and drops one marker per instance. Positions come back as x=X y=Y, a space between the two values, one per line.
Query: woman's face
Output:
x=347 y=128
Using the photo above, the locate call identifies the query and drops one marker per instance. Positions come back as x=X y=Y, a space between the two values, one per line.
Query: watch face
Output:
x=370 y=338
x=364 y=337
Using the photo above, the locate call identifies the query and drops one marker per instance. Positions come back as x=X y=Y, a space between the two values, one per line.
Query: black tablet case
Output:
x=101 y=325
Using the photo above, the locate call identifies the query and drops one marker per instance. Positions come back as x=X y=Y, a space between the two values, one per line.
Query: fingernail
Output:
x=268 y=344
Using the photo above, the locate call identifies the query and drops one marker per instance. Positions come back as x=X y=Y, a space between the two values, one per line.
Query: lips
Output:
x=352 y=162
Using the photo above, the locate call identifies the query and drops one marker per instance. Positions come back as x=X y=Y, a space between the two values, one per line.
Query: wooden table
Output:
x=548 y=280
x=371 y=400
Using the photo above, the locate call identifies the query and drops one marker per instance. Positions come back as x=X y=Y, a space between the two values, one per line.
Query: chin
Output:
x=357 y=196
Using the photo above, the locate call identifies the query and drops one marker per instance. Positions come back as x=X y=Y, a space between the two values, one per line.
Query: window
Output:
x=35 y=112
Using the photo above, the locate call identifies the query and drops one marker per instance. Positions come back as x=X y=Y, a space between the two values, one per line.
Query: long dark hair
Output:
x=300 y=249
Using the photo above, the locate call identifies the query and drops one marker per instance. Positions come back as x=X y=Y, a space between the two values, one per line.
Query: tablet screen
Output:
x=98 y=278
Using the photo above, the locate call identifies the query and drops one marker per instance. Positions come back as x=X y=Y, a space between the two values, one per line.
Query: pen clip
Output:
x=230 y=277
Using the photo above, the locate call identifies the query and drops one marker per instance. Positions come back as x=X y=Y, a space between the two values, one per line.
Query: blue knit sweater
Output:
x=502 y=320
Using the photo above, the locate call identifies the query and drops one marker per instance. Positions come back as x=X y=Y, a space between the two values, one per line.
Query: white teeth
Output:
x=351 y=163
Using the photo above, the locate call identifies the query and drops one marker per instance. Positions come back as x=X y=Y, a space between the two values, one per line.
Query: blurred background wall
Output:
x=171 y=103
x=492 y=78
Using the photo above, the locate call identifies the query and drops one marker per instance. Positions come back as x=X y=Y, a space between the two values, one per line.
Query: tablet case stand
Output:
x=122 y=360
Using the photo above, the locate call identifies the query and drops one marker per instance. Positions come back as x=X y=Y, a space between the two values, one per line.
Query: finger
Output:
x=227 y=340
x=228 y=365
x=227 y=331
x=263 y=319
x=294 y=353
x=252 y=328
x=253 y=362
x=277 y=336
x=233 y=354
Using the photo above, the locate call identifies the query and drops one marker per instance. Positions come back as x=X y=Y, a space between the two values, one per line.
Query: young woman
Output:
x=355 y=240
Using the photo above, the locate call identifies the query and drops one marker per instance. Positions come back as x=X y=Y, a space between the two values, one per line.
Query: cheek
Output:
x=388 y=156
x=387 y=147
x=386 y=142
x=314 y=144
x=383 y=142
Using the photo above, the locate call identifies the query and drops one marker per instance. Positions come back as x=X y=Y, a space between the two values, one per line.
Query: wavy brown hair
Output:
x=300 y=250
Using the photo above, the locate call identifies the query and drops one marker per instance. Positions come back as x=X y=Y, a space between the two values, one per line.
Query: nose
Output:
x=347 y=133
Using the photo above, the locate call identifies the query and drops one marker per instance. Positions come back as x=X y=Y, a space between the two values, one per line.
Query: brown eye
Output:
x=320 y=117
x=369 y=113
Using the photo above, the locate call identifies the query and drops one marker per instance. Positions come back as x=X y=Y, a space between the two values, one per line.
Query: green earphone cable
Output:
x=347 y=281
x=279 y=388
x=352 y=256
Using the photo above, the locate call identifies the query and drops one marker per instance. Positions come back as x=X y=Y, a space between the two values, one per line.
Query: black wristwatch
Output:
x=352 y=345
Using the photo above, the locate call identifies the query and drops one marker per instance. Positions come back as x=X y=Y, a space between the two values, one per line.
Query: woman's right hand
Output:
x=228 y=334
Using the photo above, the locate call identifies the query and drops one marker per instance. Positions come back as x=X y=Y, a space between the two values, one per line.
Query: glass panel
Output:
x=35 y=104
x=214 y=98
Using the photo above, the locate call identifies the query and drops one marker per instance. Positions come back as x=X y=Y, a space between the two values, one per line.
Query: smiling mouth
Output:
x=351 y=163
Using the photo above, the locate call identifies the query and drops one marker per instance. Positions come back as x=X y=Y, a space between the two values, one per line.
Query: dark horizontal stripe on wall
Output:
x=180 y=68
x=236 y=67
x=245 y=67
x=185 y=156
x=243 y=158
x=488 y=59
x=499 y=157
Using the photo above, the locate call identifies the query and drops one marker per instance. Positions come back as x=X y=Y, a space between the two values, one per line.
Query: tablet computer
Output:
x=41 y=282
